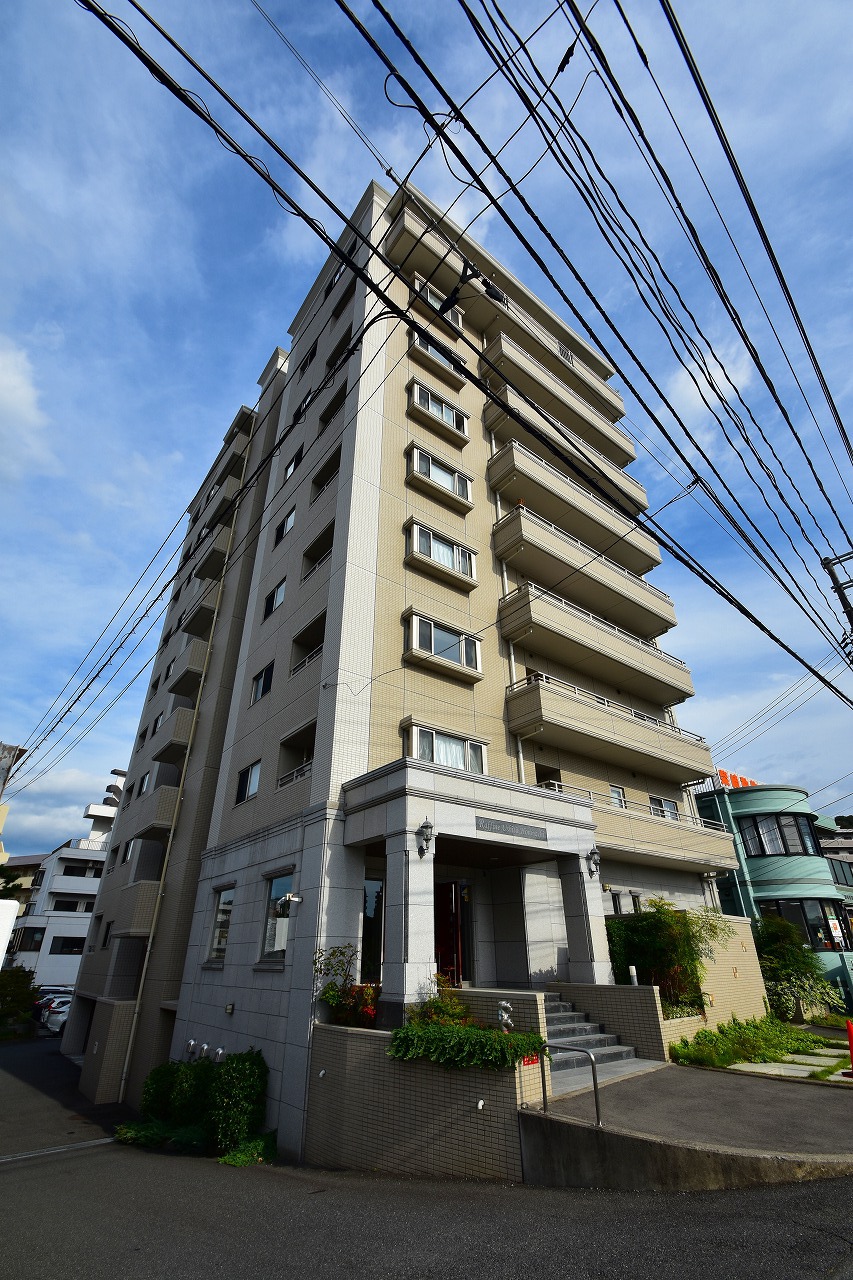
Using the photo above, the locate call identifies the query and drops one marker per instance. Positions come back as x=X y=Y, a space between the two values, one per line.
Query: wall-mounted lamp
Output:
x=190 y=1048
x=219 y=1054
x=293 y=899
x=424 y=837
x=593 y=862
x=204 y=1050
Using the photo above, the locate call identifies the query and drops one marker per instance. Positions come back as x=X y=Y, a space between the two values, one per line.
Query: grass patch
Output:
x=755 y=1040
x=838 y=1020
x=260 y=1150
x=824 y=1073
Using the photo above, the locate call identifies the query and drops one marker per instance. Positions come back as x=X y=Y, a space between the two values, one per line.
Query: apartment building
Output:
x=54 y=922
x=410 y=693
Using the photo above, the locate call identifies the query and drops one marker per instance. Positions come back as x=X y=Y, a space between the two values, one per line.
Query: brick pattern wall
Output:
x=369 y=1111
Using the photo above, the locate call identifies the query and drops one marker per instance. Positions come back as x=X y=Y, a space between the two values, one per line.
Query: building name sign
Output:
x=519 y=829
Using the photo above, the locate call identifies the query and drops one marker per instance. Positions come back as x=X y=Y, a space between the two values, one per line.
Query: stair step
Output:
x=557 y=1006
x=573 y=1061
x=600 y=1041
x=569 y=1023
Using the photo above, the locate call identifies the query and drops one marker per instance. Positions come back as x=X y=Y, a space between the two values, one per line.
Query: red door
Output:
x=448 y=931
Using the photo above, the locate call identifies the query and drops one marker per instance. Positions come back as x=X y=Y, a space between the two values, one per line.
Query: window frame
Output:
x=663 y=807
x=471 y=746
x=453 y=423
x=261 y=683
x=284 y=526
x=276 y=955
x=248 y=776
x=419 y=536
x=271 y=600
x=419 y=625
x=221 y=924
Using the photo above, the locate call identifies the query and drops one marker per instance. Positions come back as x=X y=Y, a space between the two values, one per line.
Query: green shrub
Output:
x=444 y=1007
x=451 y=1045
x=256 y=1151
x=201 y=1106
x=793 y=974
x=754 y=1040
x=668 y=947
x=237 y=1095
x=17 y=994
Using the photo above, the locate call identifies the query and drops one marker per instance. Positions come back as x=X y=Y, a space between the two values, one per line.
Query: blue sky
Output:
x=146 y=276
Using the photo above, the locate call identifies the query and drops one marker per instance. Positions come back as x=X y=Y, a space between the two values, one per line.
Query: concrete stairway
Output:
x=566 y=1028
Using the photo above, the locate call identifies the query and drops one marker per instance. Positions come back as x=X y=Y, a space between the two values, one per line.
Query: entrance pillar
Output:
x=409 y=952
x=589 y=955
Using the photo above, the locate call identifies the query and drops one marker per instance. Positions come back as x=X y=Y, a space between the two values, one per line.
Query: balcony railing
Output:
x=301 y=771
x=631 y=806
x=314 y=654
x=96 y=846
x=540 y=593
x=569 y=392
x=327 y=555
x=594 y=699
x=590 y=551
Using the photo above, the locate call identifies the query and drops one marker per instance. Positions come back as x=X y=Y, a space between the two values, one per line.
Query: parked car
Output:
x=44 y=997
x=53 y=1006
x=57 y=1015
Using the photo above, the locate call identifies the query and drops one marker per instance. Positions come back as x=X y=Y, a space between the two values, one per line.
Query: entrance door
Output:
x=448 y=931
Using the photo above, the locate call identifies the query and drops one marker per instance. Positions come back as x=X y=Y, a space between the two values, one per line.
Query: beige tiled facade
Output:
x=429 y=606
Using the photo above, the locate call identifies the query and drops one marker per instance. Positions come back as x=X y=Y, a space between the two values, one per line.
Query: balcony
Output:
x=153 y=815
x=423 y=251
x=546 y=554
x=562 y=715
x=199 y=616
x=188 y=669
x=543 y=623
x=549 y=390
x=137 y=904
x=616 y=485
x=211 y=556
x=221 y=504
x=173 y=736
x=632 y=832
x=521 y=477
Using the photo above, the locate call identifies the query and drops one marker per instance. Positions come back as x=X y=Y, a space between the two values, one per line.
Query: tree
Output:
x=17 y=994
x=9 y=882
x=844 y=820
x=793 y=974
x=668 y=948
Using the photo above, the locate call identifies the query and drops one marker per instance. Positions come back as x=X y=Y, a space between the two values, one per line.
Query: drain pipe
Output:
x=152 y=932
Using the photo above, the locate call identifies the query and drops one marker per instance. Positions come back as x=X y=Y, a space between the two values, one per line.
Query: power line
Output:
x=754 y=214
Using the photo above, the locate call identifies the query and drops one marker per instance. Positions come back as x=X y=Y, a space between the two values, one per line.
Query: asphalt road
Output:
x=110 y=1211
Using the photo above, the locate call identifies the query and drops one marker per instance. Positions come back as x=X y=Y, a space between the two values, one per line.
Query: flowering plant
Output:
x=351 y=1004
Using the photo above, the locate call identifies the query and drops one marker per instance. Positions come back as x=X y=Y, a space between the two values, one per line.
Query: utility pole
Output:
x=842 y=586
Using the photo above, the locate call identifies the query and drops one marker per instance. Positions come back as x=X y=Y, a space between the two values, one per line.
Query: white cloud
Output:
x=24 y=436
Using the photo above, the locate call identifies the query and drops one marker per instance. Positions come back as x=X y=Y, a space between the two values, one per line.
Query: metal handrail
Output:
x=574 y=1049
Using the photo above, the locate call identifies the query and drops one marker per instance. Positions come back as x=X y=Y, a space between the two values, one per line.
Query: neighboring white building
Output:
x=51 y=933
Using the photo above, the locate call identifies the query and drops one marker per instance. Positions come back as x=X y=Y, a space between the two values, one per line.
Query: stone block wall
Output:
x=369 y=1111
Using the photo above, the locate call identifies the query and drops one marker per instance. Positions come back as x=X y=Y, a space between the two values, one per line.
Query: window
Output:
x=336 y=355
x=438 y=408
x=444 y=642
x=616 y=900
x=65 y=904
x=224 y=902
x=448 y=555
x=66 y=946
x=435 y=299
x=443 y=748
x=326 y=475
x=774 y=836
x=303 y=368
x=143 y=784
x=663 y=808
x=125 y=853
x=339 y=270
x=158 y=720
x=274 y=599
x=155 y=684
x=343 y=301
x=108 y=928
x=261 y=684
x=617 y=797
x=292 y=464
x=425 y=464
x=278 y=911
x=169 y=669
x=31 y=939
x=842 y=872
x=285 y=526
x=140 y=741
x=636 y=904
x=437 y=350
x=300 y=410
x=74 y=869
x=296 y=754
x=247 y=782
